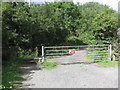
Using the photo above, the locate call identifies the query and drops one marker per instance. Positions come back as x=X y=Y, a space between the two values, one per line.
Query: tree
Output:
x=58 y=23
x=15 y=33
x=98 y=25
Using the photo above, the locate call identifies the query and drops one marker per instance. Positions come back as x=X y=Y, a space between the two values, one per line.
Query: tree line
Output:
x=25 y=29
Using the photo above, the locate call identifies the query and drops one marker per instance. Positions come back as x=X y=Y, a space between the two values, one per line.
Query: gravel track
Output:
x=71 y=76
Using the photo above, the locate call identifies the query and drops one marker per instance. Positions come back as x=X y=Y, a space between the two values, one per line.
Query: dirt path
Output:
x=78 y=57
x=72 y=76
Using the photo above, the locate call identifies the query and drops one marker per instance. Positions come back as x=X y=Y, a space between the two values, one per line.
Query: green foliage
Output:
x=116 y=45
x=58 y=23
x=15 y=32
x=11 y=74
x=99 y=24
x=113 y=57
x=49 y=65
x=28 y=53
x=52 y=19
x=116 y=49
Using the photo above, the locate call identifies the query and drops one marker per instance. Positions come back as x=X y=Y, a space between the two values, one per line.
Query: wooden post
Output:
x=43 y=54
x=110 y=48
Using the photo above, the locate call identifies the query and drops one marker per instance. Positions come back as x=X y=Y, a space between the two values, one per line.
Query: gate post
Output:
x=43 y=54
x=110 y=48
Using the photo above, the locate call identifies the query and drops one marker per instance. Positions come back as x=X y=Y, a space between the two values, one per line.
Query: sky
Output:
x=112 y=3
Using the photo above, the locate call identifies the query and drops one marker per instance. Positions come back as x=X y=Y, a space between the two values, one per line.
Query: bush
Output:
x=28 y=53
x=116 y=49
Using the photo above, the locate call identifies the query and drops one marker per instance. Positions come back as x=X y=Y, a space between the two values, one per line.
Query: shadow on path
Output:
x=29 y=68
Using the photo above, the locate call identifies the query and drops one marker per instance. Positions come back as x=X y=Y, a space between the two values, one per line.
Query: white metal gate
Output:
x=93 y=52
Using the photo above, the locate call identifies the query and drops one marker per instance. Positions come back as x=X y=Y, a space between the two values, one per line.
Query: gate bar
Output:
x=43 y=58
x=73 y=46
x=110 y=52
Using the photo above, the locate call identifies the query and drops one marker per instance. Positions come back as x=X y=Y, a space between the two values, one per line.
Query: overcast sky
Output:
x=112 y=3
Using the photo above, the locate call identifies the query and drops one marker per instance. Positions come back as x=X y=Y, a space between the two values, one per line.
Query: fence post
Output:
x=43 y=54
x=110 y=48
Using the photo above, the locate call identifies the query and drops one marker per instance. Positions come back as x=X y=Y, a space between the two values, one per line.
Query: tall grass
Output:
x=11 y=74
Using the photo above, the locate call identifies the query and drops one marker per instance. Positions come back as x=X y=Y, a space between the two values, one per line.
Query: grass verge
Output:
x=11 y=74
x=108 y=63
x=48 y=65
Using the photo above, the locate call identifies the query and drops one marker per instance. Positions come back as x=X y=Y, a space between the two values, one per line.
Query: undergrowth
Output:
x=11 y=74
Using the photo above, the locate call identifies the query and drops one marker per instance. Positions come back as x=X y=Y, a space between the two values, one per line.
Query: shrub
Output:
x=28 y=53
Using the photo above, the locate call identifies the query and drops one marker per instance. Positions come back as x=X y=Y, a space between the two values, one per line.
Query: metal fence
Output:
x=94 y=52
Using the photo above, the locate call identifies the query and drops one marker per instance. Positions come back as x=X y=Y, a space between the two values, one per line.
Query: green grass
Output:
x=11 y=75
x=108 y=63
x=49 y=65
